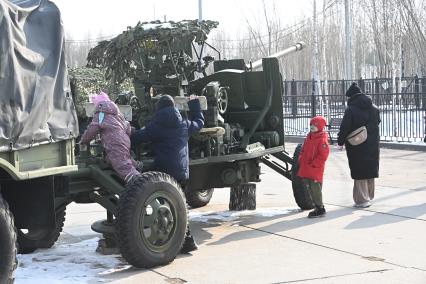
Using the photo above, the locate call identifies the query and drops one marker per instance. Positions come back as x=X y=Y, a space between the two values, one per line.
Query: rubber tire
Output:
x=8 y=249
x=243 y=197
x=301 y=193
x=199 y=198
x=46 y=239
x=130 y=205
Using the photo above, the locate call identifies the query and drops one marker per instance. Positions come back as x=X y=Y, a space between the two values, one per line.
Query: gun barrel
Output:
x=298 y=46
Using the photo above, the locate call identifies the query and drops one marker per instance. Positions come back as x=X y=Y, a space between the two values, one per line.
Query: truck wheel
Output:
x=300 y=192
x=151 y=220
x=199 y=198
x=7 y=243
x=30 y=240
x=243 y=197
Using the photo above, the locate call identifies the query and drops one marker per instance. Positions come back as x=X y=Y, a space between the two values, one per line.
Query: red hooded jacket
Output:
x=314 y=152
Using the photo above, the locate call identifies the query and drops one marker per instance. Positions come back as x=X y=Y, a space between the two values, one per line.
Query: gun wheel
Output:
x=199 y=198
x=222 y=100
x=32 y=239
x=300 y=192
x=151 y=220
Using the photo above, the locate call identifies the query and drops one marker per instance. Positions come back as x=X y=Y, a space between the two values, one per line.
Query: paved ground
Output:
x=277 y=244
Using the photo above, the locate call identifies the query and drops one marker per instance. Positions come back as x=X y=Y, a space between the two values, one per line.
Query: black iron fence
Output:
x=412 y=84
x=403 y=114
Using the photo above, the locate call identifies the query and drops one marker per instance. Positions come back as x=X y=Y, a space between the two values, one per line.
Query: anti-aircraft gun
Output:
x=40 y=174
x=242 y=104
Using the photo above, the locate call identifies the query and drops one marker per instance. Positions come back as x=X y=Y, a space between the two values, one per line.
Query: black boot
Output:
x=317 y=212
x=189 y=243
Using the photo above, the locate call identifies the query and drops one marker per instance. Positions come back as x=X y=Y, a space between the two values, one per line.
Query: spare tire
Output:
x=199 y=198
x=151 y=220
x=301 y=193
x=7 y=243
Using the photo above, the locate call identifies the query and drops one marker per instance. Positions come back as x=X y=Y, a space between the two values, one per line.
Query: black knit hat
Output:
x=164 y=101
x=353 y=89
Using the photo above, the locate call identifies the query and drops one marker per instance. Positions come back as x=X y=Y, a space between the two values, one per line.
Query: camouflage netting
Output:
x=85 y=81
x=122 y=55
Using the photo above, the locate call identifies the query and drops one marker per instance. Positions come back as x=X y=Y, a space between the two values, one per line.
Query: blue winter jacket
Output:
x=169 y=134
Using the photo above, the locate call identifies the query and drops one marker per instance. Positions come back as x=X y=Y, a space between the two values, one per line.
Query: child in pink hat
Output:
x=115 y=136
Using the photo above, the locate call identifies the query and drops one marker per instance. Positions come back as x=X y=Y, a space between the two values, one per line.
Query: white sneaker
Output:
x=363 y=205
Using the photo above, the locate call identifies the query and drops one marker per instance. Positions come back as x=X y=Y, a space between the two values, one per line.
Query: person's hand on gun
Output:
x=82 y=147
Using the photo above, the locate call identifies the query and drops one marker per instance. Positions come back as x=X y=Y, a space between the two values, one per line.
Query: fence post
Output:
x=377 y=86
x=424 y=93
x=293 y=93
x=376 y=99
x=313 y=99
x=285 y=89
x=361 y=84
x=343 y=92
x=417 y=91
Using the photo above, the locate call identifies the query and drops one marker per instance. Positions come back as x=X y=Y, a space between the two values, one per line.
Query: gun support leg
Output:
x=283 y=166
x=243 y=197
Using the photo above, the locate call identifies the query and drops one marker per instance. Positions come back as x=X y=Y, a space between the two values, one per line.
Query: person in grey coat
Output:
x=363 y=158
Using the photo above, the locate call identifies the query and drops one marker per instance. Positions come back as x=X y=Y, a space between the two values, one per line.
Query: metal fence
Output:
x=402 y=114
x=405 y=85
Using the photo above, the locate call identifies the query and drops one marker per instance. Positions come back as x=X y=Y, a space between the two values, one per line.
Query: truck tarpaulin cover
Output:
x=35 y=102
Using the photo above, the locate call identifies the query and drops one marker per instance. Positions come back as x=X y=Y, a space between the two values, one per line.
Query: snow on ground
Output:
x=78 y=262
x=229 y=216
x=66 y=264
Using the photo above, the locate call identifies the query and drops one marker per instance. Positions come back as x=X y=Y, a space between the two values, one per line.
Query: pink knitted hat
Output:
x=101 y=97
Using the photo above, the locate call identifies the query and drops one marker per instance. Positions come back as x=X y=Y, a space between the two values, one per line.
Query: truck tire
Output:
x=301 y=194
x=151 y=220
x=199 y=198
x=31 y=240
x=243 y=197
x=7 y=243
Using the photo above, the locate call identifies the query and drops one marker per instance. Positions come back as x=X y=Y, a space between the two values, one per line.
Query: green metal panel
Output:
x=255 y=95
x=39 y=160
x=90 y=177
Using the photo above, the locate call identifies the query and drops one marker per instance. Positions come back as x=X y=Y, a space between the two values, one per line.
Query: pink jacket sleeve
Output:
x=128 y=128
x=91 y=131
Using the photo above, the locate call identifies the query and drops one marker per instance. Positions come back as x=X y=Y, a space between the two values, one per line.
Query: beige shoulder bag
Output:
x=358 y=136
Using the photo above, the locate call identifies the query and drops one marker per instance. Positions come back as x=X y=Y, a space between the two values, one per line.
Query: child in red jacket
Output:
x=312 y=159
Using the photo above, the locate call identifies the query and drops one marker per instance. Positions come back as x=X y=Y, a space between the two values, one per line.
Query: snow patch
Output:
x=67 y=264
x=78 y=262
x=153 y=26
x=229 y=216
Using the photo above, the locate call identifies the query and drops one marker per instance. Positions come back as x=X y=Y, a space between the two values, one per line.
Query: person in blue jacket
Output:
x=169 y=134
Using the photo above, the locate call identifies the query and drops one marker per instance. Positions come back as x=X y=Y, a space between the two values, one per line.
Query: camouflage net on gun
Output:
x=85 y=81
x=124 y=54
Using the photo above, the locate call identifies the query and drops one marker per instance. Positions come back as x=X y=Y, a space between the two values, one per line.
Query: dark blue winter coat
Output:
x=169 y=134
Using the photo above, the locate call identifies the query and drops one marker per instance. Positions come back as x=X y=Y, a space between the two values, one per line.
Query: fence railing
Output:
x=402 y=114
x=412 y=84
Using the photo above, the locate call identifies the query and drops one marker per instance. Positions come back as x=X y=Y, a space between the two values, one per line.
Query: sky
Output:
x=100 y=18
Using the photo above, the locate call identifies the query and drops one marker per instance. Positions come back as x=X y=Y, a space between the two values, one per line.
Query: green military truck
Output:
x=40 y=174
x=38 y=126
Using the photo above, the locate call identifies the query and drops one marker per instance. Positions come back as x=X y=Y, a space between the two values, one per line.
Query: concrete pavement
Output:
x=384 y=243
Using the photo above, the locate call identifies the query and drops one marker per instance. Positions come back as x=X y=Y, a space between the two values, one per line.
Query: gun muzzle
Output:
x=297 y=47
